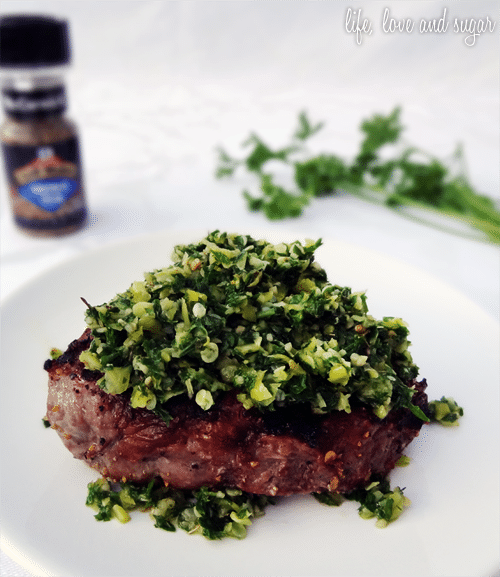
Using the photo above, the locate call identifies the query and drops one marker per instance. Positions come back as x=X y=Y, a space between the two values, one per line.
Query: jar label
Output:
x=33 y=103
x=46 y=177
x=49 y=194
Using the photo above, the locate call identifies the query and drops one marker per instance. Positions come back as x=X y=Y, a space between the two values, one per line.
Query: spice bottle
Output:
x=40 y=145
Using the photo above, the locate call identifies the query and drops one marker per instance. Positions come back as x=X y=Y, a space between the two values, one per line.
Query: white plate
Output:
x=451 y=528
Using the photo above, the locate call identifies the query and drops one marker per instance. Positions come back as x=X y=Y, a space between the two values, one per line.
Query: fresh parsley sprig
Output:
x=411 y=179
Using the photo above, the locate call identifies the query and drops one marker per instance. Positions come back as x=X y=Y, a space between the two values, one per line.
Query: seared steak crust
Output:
x=278 y=453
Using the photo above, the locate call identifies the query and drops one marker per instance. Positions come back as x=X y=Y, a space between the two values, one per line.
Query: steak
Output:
x=282 y=452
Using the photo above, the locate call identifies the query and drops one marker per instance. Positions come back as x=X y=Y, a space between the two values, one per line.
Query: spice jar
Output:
x=40 y=145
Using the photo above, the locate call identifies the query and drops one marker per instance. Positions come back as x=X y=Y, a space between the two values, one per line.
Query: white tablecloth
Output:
x=157 y=86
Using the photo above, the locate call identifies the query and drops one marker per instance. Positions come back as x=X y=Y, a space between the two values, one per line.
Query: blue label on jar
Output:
x=49 y=193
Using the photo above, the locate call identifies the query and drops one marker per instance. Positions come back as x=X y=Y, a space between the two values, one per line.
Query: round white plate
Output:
x=451 y=528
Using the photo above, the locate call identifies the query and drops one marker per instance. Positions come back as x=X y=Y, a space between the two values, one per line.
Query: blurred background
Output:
x=156 y=86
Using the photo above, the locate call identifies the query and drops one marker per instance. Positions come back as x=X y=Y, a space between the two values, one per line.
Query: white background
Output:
x=156 y=86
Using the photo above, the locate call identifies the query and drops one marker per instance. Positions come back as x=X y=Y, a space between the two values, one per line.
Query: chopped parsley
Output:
x=376 y=500
x=234 y=312
x=214 y=514
x=445 y=411
x=219 y=513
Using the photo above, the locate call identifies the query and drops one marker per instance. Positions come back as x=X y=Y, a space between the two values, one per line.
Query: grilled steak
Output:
x=281 y=452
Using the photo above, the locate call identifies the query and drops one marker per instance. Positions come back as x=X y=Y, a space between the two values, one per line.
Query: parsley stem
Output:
x=379 y=197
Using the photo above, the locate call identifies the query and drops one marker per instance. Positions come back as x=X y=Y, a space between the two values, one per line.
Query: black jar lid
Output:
x=33 y=41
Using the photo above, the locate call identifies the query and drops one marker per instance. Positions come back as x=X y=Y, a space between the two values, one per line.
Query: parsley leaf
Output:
x=410 y=179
